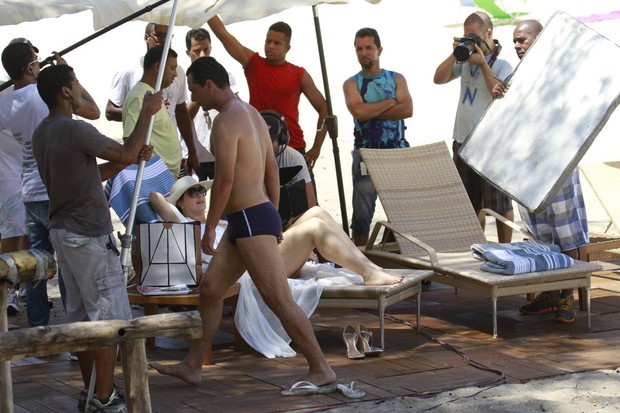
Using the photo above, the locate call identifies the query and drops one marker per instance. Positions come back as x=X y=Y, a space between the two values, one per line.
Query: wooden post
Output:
x=150 y=309
x=6 y=385
x=135 y=371
x=26 y=264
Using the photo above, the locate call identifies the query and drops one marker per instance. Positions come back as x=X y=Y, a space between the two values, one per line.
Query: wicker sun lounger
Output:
x=604 y=178
x=435 y=225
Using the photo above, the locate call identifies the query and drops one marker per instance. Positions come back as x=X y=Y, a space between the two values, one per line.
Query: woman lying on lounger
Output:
x=314 y=229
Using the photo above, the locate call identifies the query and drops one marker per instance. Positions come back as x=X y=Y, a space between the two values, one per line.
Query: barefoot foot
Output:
x=179 y=370
x=320 y=378
x=378 y=277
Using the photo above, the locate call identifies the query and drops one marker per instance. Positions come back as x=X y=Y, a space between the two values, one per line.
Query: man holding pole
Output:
x=79 y=217
x=175 y=94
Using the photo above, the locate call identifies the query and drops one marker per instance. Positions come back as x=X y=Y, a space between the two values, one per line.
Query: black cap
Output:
x=25 y=41
x=273 y=124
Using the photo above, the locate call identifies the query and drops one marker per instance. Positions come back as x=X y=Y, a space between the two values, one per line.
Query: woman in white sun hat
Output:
x=314 y=229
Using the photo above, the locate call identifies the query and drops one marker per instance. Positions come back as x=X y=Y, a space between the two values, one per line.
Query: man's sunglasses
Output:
x=38 y=59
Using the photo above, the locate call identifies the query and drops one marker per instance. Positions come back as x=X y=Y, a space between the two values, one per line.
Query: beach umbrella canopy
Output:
x=195 y=13
x=104 y=11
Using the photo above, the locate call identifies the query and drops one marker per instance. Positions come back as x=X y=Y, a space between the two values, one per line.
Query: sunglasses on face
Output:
x=195 y=192
x=37 y=60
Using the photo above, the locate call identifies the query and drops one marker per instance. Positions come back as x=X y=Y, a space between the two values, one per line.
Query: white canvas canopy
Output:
x=191 y=13
x=195 y=13
x=104 y=11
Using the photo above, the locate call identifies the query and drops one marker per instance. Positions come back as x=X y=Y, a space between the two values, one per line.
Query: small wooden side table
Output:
x=151 y=302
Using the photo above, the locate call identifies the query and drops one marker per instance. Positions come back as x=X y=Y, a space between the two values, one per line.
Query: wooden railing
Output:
x=44 y=341
x=129 y=335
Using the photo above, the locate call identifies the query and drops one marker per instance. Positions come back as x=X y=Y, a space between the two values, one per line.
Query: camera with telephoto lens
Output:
x=466 y=47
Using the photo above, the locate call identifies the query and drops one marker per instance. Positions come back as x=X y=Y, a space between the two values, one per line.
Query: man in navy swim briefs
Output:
x=246 y=189
x=261 y=219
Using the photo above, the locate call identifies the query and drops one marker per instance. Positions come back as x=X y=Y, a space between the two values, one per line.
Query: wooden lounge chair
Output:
x=604 y=179
x=435 y=225
x=377 y=297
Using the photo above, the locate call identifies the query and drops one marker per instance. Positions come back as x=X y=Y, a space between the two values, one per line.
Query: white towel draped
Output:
x=259 y=326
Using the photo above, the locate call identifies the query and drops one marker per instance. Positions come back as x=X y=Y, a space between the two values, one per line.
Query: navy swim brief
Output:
x=261 y=219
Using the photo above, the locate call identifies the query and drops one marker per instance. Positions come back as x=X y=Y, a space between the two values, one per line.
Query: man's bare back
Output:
x=241 y=141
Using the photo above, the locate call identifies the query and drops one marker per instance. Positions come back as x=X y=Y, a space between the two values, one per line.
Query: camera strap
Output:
x=498 y=48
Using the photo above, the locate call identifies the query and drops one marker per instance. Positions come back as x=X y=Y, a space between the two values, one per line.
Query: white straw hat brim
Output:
x=182 y=185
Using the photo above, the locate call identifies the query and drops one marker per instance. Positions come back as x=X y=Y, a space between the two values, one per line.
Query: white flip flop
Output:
x=305 y=388
x=350 y=392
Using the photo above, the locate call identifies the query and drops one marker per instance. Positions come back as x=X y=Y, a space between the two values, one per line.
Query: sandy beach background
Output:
x=416 y=36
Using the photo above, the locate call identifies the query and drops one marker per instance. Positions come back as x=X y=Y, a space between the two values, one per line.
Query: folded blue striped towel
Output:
x=520 y=257
x=120 y=188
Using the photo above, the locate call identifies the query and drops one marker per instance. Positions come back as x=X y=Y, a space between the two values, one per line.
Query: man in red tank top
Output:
x=277 y=84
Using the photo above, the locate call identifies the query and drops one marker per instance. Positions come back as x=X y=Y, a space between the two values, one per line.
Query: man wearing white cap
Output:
x=21 y=111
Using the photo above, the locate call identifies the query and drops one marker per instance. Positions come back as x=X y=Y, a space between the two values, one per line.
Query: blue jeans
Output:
x=364 y=197
x=37 y=221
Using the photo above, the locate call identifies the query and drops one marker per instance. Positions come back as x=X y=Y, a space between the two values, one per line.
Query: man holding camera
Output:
x=475 y=60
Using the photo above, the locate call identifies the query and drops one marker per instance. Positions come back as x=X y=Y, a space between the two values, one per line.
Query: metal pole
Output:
x=95 y=35
x=331 y=122
x=127 y=238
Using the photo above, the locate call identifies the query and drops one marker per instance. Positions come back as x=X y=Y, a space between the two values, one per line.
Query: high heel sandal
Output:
x=350 y=339
x=365 y=337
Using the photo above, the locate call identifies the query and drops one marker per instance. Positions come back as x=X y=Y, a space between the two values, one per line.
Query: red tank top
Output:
x=277 y=88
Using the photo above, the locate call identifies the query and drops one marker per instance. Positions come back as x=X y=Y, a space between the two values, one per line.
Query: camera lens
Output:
x=463 y=51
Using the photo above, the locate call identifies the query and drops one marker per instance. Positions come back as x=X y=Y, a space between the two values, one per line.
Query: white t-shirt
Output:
x=10 y=157
x=474 y=96
x=10 y=153
x=123 y=81
x=21 y=111
x=291 y=157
